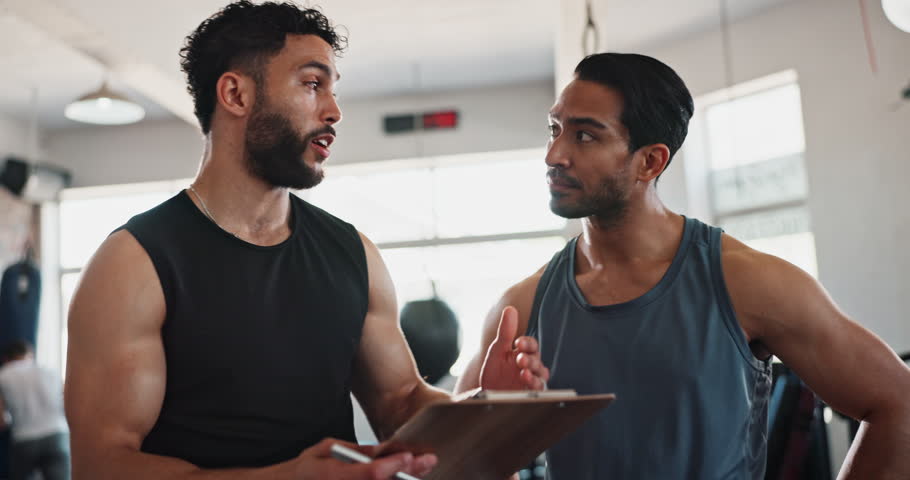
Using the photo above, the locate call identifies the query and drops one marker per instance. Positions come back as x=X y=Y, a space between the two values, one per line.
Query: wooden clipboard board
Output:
x=491 y=439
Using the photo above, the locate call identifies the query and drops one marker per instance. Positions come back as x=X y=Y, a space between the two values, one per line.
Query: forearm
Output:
x=406 y=406
x=120 y=463
x=880 y=449
x=470 y=379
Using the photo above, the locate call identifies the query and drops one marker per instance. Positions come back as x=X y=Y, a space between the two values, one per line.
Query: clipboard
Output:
x=490 y=439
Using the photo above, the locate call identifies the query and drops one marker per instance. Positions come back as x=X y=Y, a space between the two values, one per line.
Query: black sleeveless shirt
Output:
x=259 y=341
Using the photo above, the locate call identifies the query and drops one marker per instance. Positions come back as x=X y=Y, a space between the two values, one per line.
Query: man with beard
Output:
x=677 y=318
x=220 y=334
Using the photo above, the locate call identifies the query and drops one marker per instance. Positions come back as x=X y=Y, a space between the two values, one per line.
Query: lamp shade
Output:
x=898 y=12
x=104 y=107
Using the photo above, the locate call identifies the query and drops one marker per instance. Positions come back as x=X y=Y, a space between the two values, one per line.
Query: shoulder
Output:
x=313 y=213
x=521 y=296
x=118 y=248
x=371 y=253
x=763 y=288
x=159 y=225
x=523 y=291
x=163 y=212
x=119 y=281
x=743 y=264
x=330 y=228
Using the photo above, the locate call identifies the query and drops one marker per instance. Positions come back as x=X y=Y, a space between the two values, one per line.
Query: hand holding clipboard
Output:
x=491 y=435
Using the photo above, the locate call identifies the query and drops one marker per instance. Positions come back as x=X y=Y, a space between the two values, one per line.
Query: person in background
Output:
x=33 y=397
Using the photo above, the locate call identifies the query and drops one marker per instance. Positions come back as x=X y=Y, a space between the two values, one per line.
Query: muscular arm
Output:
x=850 y=368
x=116 y=373
x=115 y=364
x=386 y=381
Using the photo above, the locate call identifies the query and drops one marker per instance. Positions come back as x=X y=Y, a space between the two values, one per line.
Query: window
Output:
x=755 y=145
x=470 y=226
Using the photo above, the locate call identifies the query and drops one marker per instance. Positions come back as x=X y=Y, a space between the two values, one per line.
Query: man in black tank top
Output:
x=220 y=334
x=676 y=318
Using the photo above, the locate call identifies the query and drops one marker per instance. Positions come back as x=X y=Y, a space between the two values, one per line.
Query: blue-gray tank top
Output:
x=692 y=399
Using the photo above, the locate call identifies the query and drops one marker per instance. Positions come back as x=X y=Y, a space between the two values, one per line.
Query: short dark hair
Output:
x=14 y=350
x=245 y=36
x=657 y=105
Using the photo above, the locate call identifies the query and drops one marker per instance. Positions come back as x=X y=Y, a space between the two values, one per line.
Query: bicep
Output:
x=384 y=365
x=115 y=359
x=844 y=363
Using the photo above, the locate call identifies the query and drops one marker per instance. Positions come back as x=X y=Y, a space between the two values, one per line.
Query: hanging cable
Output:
x=590 y=33
x=870 y=48
x=726 y=50
x=726 y=46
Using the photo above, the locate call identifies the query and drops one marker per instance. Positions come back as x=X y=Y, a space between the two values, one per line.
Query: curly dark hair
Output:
x=244 y=36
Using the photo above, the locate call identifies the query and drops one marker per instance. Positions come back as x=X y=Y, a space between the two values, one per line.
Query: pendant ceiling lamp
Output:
x=104 y=107
x=898 y=12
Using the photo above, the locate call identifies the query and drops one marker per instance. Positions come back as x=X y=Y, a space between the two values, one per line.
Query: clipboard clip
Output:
x=520 y=394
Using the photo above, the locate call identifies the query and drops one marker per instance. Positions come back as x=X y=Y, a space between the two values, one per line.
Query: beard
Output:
x=608 y=204
x=275 y=149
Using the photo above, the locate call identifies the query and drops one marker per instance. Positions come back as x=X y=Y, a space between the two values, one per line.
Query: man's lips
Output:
x=562 y=182
x=322 y=143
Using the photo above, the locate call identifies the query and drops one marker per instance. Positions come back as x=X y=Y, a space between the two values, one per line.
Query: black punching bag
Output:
x=20 y=299
x=431 y=330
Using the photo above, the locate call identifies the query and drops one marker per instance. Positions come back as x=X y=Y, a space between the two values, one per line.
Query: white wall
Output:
x=148 y=151
x=15 y=215
x=500 y=118
x=14 y=137
x=857 y=148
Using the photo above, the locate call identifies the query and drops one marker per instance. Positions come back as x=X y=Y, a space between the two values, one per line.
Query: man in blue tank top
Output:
x=220 y=334
x=675 y=317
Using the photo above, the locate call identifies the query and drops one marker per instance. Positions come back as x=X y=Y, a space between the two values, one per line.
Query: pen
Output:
x=346 y=454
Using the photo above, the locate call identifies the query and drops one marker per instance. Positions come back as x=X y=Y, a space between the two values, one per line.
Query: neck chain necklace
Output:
x=205 y=210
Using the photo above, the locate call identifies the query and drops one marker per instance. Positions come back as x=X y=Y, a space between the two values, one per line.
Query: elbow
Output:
x=402 y=405
x=894 y=412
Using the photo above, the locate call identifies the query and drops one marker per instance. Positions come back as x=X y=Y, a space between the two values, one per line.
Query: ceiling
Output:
x=56 y=50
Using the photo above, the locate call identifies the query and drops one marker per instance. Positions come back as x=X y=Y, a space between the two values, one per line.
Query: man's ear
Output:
x=654 y=160
x=235 y=93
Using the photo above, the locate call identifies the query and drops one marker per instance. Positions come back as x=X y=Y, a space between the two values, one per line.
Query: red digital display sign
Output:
x=440 y=120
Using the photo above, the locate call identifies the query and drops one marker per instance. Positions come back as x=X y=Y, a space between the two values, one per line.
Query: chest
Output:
x=611 y=285
x=296 y=307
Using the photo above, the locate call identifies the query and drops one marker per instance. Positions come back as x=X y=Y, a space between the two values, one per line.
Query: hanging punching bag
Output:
x=20 y=297
x=431 y=330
